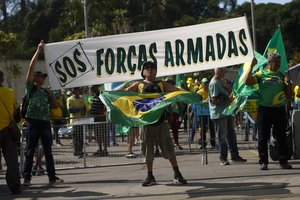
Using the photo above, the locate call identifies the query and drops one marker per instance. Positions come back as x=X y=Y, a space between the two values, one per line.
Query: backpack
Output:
x=25 y=101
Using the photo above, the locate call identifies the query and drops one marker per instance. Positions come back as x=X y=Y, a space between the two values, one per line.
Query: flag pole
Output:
x=253 y=25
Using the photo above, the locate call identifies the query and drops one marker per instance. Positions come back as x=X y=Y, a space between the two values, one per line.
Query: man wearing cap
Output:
x=274 y=90
x=7 y=144
x=160 y=131
x=38 y=118
x=204 y=119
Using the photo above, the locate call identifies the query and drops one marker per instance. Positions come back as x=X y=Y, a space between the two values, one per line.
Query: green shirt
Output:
x=38 y=105
x=271 y=88
x=217 y=89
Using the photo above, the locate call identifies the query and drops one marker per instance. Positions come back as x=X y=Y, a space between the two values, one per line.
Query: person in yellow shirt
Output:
x=77 y=107
x=297 y=97
x=190 y=84
x=7 y=144
x=205 y=122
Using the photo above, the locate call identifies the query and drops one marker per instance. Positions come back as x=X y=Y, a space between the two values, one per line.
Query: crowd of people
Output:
x=48 y=108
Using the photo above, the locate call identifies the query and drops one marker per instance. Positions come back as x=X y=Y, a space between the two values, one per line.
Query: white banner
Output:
x=120 y=57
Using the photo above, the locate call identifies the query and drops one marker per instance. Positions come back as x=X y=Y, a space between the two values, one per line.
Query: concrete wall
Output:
x=19 y=85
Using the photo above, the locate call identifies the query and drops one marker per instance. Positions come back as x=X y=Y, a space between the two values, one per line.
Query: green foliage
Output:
x=57 y=20
x=8 y=44
x=295 y=59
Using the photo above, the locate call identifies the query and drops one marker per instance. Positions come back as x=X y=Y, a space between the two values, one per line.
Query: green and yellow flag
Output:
x=276 y=45
x=242 y=91
x=139 y=109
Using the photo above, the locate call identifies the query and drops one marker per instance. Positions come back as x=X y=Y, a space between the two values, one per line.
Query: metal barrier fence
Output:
x=77 y=145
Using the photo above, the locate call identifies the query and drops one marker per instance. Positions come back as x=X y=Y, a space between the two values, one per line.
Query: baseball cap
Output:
x=148 y=64
x=40 y=73
x=204 y=80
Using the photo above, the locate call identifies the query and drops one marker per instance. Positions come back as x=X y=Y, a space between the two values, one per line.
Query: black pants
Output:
x=275 y=118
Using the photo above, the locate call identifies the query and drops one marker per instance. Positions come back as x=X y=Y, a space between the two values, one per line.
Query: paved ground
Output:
x=211 y=181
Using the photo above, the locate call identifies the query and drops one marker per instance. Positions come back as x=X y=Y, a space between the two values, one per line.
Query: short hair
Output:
x=219 y=69
x=272 y=56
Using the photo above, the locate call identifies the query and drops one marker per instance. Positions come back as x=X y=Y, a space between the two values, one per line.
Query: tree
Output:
x=8 y=44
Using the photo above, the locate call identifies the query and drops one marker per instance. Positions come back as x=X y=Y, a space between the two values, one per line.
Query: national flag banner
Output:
x=276 y=45
x=139 y=109
x=236 y=105
x=239 y=86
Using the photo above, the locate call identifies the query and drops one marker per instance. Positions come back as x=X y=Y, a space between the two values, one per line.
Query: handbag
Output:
x=13 y=128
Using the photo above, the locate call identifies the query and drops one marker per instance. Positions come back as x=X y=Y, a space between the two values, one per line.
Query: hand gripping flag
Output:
x=139 y=109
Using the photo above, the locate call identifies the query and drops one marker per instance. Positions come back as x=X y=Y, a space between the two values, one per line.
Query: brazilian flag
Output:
x=242 y=91
x=139 y=109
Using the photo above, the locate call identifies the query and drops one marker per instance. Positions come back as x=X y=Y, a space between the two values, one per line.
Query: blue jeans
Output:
x=38 y=129
x=226 y=137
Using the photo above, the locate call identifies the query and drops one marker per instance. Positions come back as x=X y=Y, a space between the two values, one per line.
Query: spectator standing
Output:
x=56 y=116
x=38 y=118
x=7 y=144
x=297 y=97
x=158 y=132
x=204 y=119
x=274 y=90
x=219 y=99
x=98 y=110
x=77 y=108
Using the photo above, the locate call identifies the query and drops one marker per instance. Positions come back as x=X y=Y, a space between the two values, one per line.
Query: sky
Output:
x=265 y=1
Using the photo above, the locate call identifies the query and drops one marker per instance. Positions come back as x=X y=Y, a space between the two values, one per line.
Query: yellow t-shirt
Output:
x=8 y=97
x=204 y=94
x=73 y=102
x=297 y=93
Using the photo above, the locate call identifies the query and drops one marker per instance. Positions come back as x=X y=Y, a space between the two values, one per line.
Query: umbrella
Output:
x=294 y=74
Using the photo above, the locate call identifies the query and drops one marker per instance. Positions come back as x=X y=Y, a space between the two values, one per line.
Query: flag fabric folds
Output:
x=276 y=45
x=242 y=91
x=139 y=109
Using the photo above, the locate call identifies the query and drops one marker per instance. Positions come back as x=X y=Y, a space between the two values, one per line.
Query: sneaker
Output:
x=178 y=147
x=40 y=171
x=97 y=153
x=178 y=179
x=130 y=155
x=56 y=181
x=150 y=180
x=16 y=191
x=26 y=182
x=263 y=166
x=286 y=166
x=224 y=162
x=239 y=159
x=34 y=171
